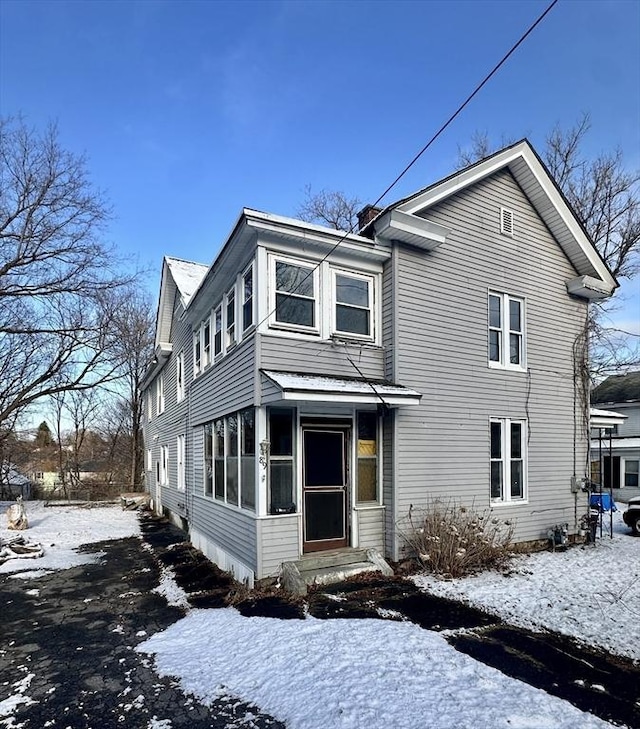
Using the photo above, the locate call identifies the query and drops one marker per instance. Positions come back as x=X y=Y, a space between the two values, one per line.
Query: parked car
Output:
x=632 y=515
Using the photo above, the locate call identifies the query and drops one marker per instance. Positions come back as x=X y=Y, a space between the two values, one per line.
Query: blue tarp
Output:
x=602 y=502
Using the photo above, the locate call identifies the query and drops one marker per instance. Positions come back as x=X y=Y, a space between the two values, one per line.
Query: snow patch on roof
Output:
x=187 y=275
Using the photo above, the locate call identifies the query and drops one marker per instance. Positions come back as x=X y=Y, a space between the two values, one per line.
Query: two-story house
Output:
x=311 y=385
x=619 y=450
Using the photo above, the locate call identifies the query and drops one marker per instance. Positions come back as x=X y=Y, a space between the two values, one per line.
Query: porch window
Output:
x=506 y=331
x=295 y=295
x=353 y=302
x=281 y=462
x=507 y=456
x=231 y=318
x=367 y=456
x=247 y=298
x=218 y=455
x=631 y=472
x=208 y=459
x=247 y=459
x=232 y=459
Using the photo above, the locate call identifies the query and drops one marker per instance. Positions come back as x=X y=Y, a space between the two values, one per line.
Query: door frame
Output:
x=345 y=427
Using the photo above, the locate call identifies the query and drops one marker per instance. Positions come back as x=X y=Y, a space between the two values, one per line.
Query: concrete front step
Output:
x=328 y=567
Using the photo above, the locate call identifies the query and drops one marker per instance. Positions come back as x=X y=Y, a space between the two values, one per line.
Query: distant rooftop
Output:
x=618 y=389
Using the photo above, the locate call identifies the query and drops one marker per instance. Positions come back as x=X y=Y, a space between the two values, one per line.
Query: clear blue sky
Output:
x=190 y=110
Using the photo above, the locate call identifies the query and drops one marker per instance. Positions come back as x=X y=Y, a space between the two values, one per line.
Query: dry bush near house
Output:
x=454 y=540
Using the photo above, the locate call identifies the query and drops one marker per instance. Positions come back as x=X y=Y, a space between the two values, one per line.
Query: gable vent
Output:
x=506 y=221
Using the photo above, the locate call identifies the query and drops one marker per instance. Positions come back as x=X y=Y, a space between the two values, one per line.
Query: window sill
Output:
x=506 y=368
x=514 y=502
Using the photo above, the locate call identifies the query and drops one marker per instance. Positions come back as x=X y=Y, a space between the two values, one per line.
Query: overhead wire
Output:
x=406 y=169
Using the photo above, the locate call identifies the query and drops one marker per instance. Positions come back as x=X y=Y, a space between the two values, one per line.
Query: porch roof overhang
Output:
x=307 y=387
x=605 y=418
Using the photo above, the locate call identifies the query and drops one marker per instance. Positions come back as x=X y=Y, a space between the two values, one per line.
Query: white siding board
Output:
x=278 y=541
x=371 y=523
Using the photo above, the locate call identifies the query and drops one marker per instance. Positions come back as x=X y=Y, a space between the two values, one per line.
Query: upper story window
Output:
x=149 y=404
x=206 y=343
x=506 y=331
x=197 y=353
x=295 y=289
x=508 y=472
x=247 y=298
x=231 y=318
x=180 y=376
x=180 y=462
x=160 y=393
x=217 y=318
x=353 y=304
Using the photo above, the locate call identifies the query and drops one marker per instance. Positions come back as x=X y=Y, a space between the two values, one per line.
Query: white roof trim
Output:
x=544 y=195
x=319 y=388
x=605 y=418
x=410 y=229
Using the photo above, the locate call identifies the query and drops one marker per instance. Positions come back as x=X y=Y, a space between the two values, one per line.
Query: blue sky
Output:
x=188 y=111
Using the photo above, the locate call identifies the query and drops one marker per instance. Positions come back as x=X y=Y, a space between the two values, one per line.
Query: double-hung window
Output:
x=180 y=462
x=206 y=343
x=631 y=473
x=164 y=465
x=247 y=298
x=295 y=287
x=197 y=353
x=217 y=340
x=160 y=393
x=506 y=331
x=508 y=462
x=180 y=376
x=353 y=304
x=231 y=319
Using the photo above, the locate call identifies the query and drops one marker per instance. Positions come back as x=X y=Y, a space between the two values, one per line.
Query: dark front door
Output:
x=324 y=488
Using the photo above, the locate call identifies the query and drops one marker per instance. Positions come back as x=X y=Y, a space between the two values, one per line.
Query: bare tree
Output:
x=57 y=278
x=606 y=198
x=134 y=326
x=330 y=207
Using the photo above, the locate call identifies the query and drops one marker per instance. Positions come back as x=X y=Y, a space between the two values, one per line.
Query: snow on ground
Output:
x=591 y=593
x=349 y=674
x=61 y=530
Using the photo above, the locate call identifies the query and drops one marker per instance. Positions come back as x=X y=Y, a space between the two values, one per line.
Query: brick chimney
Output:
x=366 y=215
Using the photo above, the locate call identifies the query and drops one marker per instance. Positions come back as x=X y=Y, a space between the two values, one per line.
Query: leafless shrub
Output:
x=453 y=540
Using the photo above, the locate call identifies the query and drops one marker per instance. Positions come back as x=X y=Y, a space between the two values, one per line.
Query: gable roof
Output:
x=595 y=280
x=618 y=388
x=181 y=277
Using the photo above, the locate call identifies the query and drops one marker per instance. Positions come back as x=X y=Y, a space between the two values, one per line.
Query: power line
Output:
x=455 y=114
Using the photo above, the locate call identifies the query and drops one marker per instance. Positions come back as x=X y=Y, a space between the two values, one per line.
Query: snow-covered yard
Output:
x=348 y=674
x=591 y=593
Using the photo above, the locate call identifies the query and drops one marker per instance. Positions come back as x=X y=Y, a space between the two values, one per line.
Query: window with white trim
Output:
x=164 y=465
x=217 y=329
x=229 y=456
x=247 y=298
x=506 y=331
x=180 y=463
x=149 y=404
x=294 y=297
x=631 y=473
x=149 y=460
x=353 y=297
x=367 y=455
x=160 y=393
x=197 y=354
x=231 y=319
x=180 y=376
x=205 y=335
x=508 y=460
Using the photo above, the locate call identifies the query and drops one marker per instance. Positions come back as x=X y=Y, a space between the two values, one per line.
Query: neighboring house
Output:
x=621 y=451
x=13 y=483
x=311 y=386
